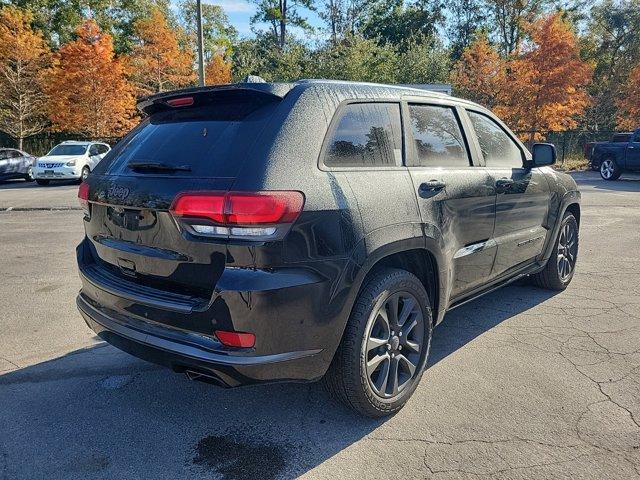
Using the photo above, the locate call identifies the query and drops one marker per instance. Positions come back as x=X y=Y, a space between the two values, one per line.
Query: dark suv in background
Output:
x=615 y=157
x=275 y=232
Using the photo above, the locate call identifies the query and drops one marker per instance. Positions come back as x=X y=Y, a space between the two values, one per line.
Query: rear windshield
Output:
x=68 y=150
x=202 y=142
x=622 y=138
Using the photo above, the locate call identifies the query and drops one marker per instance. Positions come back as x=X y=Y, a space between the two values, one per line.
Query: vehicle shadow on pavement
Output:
x=21 y=184
x=461 y=325
x=100 y=413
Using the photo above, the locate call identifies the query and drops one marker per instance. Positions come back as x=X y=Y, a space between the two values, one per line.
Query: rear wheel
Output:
x=385 y=346
x=559 y=270
x=609 y=170
x=42 y=182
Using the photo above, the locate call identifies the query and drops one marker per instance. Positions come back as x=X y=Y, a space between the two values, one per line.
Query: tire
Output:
x=348 y=378
x=29 y=175
x=553 y=276
x=85 y=173
x=609 y=170
x=42 y=182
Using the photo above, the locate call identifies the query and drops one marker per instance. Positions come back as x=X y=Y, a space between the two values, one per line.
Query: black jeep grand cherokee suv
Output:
x=270 y=232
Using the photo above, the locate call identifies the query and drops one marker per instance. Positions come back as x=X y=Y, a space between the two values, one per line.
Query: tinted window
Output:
x=497 y=147
x=621 y=138
x=367 y=135
x=14 y=154
x=102 y=148
x=94 y=150
x=211 y=141
x=437 y=137
x=4 y=154
x=68 y=150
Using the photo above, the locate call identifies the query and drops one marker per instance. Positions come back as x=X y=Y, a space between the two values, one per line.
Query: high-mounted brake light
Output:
x=236 y=339
x=255 y=215
x=180 y=102
x=83 y=197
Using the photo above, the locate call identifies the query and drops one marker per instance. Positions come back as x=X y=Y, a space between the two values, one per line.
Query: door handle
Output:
x=504 y=184
x=430 y=187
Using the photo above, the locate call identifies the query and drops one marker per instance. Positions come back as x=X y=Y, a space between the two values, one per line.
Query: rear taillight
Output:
x=236 y=339
x=83 y=197
x=241 y=215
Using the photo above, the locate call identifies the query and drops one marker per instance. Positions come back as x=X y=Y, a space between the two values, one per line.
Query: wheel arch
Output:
x=421 y=256
x=574 y=209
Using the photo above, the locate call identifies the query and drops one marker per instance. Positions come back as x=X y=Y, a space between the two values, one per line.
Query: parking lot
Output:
x=522 y=383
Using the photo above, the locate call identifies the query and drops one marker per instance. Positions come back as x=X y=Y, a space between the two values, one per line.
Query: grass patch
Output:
x=572 y=163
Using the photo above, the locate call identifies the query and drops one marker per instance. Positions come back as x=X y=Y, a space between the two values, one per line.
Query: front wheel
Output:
x=28 y=177
x=609 y=170
x=559 y=270
x=385 y=346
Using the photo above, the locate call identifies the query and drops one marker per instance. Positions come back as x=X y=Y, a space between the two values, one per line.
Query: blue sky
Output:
x=240 y=12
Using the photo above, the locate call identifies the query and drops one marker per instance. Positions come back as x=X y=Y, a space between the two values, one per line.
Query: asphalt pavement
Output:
x=522 y=383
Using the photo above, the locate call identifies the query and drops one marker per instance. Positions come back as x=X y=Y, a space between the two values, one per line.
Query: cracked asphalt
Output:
x=522 y=383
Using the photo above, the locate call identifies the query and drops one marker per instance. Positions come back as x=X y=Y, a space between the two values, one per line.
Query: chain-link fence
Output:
x=569 y=144
x=41 y=143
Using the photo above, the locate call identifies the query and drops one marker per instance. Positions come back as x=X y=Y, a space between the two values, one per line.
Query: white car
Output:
x=69 y=160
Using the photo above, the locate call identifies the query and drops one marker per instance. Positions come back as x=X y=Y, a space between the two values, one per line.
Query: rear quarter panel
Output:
x=351 y=218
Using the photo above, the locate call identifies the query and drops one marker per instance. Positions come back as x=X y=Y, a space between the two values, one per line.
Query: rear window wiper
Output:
x=157 y=167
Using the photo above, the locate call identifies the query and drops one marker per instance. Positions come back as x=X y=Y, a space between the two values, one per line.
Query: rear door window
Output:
x=498 y=148
x=437 y=137
x=366 y=135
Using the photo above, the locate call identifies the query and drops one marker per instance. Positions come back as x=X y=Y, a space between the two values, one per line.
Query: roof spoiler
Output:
x=259 y=92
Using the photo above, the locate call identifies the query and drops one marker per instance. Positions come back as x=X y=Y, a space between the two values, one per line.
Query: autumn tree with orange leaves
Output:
x=540 y=89
x=88 y=93
x=546 y=88
x=629 y=103
x=24 y=60
x=218 y=71
x=480 y=74
x=158 y=63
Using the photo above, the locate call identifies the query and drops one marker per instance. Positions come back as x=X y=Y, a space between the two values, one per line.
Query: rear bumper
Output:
x=189 y=352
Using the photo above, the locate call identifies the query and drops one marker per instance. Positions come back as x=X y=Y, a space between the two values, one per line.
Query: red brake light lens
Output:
x=236 y=339
x=209 y=206
x=180 y=102
x=241 y=208
x=83 y=197
x=263 y=207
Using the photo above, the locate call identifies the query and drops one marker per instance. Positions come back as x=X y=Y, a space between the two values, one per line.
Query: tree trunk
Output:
x=283 y=23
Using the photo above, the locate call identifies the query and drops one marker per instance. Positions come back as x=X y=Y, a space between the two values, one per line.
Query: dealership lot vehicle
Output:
x=615 y=157
x=271 y=232
x=15 y=163
x=70 y=160
x=522 y=382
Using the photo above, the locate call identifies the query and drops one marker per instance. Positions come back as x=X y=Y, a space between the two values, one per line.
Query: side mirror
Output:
x=543 y=154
